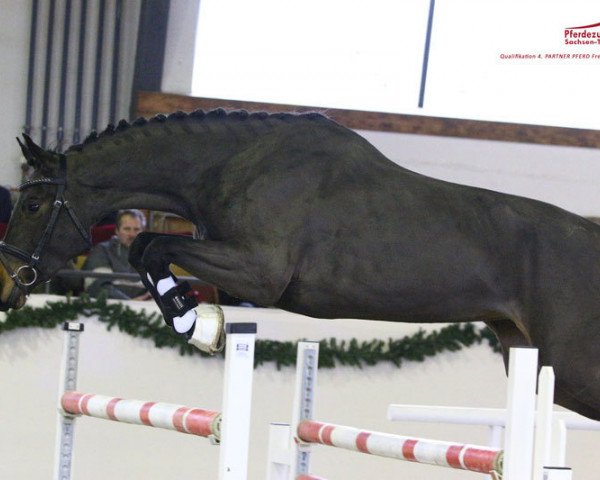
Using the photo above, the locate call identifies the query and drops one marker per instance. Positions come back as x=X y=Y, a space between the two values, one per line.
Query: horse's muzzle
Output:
x=11 y=296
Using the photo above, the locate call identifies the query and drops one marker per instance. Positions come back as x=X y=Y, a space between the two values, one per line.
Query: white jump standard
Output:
x=523 y=457
x=230 y=428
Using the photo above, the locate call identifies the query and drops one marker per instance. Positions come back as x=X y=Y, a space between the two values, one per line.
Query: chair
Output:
x=101 y=233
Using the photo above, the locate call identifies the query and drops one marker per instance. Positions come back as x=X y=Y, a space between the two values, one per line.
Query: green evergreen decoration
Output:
x=413 y=348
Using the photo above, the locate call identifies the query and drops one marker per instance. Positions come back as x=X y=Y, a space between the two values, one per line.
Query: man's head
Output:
x=129 y=224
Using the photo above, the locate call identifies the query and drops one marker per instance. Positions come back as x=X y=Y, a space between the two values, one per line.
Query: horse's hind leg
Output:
x=566 y=335
x=566 y=399
x=573 y=354
x=509 y=336
x=570 y=353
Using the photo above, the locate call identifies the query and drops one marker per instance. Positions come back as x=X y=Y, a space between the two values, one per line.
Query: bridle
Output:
x=26 y=276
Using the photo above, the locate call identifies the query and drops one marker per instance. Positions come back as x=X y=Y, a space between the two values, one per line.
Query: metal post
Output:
x=307 y=362
x=237 y=395
x=62 y=102
x=47 y=74
x=31 y=73
x=63 y=456
x=116 y=54
x=98 y=66
x=80 y=68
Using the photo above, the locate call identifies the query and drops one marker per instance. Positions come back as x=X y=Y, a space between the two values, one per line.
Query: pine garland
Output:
x=413 y=348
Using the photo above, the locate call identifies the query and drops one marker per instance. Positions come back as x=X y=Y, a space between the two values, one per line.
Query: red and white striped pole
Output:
x=432 y=452
x=195 y=421
x=232 y=433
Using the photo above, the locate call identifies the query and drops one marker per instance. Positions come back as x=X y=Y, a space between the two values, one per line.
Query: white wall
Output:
x=179 y=51
x=14 y=54
x=112 y=363
x=563 y=176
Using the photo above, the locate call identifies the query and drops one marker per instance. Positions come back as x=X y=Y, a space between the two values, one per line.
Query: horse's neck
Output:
x=165 y=175
x=175 y=165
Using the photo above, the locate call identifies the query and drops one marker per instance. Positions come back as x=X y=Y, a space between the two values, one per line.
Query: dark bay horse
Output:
x=298 y=212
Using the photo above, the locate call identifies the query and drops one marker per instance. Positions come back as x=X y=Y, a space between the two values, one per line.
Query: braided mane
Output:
x=197 y=116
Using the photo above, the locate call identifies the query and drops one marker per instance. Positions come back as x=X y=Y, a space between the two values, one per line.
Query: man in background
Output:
x=112 y=256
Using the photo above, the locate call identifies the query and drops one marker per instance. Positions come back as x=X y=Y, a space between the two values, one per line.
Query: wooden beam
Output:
x=151 y=103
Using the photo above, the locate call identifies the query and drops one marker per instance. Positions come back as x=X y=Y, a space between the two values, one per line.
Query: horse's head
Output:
x=43 y=232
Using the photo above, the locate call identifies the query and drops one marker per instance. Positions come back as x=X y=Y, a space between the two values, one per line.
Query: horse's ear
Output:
x=36 y=156
x=26 y=153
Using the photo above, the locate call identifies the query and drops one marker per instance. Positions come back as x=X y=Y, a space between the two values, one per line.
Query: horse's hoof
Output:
x=209 y=332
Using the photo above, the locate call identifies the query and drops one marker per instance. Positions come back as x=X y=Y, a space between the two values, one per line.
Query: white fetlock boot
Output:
x=209 y=332
x=203 y=325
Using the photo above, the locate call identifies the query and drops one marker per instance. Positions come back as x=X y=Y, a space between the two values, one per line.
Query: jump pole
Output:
x=518 y=418
x=194 y=421
x=550 y=427
x=431 y=452
x=289 y=446
x=490 y=417
x=232 y=431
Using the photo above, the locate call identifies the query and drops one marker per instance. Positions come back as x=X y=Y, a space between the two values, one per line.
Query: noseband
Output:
x=26 y=276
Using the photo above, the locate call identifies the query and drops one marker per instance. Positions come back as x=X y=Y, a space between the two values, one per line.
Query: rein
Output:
x=26 y=276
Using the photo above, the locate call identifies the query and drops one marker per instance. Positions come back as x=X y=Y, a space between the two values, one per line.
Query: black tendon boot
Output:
x=176 y=302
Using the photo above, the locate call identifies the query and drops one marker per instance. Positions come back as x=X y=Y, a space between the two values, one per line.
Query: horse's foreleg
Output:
x=175 y=301
x=136 y=253
x=223 y=264
x=256 y=275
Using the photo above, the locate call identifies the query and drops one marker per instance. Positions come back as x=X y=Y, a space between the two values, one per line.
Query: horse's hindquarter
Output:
x=561 y=291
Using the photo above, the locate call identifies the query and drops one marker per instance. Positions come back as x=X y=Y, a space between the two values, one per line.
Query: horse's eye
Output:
x=33 y=206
